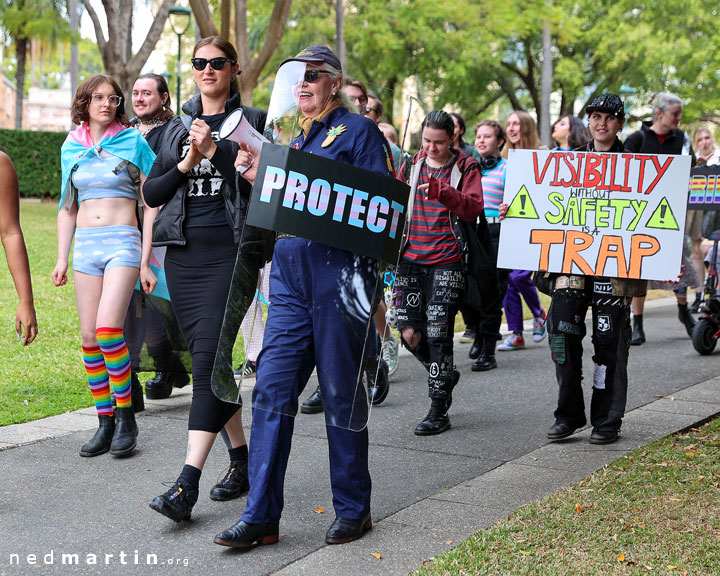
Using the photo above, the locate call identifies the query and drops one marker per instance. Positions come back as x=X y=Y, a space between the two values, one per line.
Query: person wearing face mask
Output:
x=569 y=133
x=313 y=321
x=489 y=141
x=662 y=136
x=521 y=134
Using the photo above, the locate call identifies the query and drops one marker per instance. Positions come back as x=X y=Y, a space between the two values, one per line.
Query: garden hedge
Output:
x=36 y=156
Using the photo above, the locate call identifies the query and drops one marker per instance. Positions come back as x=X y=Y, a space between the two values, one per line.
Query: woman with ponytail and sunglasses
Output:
x=201 y=223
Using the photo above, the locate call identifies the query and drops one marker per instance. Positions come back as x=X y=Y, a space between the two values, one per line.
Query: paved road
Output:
x=428 y=493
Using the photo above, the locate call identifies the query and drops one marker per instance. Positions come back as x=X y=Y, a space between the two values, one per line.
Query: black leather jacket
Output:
x=168 y=228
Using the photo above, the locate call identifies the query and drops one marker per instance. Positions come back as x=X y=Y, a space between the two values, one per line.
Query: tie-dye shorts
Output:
x=98 y=249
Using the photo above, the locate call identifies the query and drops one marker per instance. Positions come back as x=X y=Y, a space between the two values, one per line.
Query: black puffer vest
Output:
x=168 y=228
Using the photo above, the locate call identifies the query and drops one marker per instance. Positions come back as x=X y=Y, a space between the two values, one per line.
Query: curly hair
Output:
x=81 y=103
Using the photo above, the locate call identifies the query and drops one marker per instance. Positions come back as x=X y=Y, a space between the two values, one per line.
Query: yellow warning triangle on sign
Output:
x=522 y=206
x=663 y=217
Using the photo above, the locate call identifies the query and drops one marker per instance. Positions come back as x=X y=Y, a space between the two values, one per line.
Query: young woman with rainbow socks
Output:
x=103 y=166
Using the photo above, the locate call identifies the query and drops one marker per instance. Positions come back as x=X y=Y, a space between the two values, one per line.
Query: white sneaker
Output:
x=513 y=342
x=539 y=328
x=390 y=354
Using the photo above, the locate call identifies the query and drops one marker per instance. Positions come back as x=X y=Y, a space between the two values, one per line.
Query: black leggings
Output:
x=199 y=276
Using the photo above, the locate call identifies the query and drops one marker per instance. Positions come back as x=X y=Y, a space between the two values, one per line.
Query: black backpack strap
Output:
x=134 y=173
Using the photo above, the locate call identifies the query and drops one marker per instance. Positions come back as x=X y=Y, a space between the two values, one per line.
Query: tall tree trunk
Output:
x=547 y=74
x=340 y=33
x=225 y=18
x=74 y=62
x=21 y=45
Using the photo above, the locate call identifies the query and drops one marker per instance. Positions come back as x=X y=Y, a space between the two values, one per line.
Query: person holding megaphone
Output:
x=201 y=223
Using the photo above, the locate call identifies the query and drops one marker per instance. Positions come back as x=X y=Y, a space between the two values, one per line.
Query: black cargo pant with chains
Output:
x=428 y=298
x=610 y=339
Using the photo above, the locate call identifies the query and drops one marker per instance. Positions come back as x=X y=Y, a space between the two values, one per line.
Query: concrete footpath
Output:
x=429 y=493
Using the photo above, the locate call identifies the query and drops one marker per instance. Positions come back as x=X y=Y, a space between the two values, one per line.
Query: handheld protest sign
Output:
x=595 y=213
x=330 y=202
x=704 y=188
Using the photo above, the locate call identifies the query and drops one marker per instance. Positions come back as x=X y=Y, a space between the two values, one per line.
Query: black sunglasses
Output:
x=312 y=76
x=216 y=63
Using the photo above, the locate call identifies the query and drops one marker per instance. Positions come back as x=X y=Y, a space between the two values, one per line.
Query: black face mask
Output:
x=488 y=163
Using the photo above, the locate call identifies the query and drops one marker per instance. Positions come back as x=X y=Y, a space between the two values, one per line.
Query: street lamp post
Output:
x=180 y=21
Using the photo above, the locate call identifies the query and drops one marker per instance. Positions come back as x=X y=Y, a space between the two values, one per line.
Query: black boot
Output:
x=314 y=404
x=124 y=439
x=159 y=387
x=695 y=306
x=638 y=334
x=234 y=485
x=686 y=318
x=436 y=421
x=455 y=380
x=486 y=359
x=476 y=348
x=377 y=387
x=179 y=379
x=136 y=394
x=177 y=503
x=100 y=443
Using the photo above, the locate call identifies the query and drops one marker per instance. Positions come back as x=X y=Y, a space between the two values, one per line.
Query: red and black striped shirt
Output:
x=431 y=240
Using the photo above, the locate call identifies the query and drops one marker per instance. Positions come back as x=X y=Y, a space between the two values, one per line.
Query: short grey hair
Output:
x=340 y=94
x=663 y=101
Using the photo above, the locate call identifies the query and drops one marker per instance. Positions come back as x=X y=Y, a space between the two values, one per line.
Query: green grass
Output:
x=47 y=377
x=655 y=511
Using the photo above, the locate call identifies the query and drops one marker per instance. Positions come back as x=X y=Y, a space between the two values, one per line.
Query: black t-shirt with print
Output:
x=204 y=204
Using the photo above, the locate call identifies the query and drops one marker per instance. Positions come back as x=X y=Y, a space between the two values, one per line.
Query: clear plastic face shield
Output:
x=321 y=330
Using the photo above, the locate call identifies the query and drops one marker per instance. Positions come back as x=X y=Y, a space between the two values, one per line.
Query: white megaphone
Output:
x=238 y=129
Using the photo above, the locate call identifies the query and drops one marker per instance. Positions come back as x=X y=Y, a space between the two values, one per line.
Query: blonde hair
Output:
x=701 y=130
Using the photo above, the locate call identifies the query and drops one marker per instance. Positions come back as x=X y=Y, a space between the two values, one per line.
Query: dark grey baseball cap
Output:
x=316 y=54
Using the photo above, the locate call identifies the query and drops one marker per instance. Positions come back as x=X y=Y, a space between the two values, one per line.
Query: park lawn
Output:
x=654 y=511
x=47 y=377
